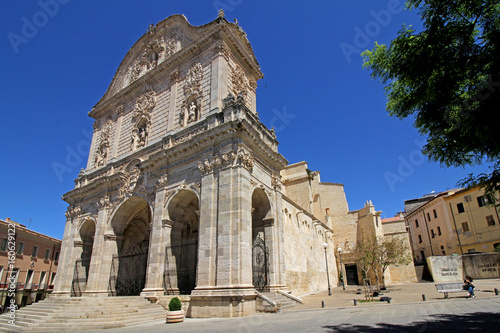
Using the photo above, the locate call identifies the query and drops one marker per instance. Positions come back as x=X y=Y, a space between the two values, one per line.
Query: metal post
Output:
x=325 y=245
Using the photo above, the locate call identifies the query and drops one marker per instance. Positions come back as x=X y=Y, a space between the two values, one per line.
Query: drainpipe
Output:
x=428 y=233
x=456 y=230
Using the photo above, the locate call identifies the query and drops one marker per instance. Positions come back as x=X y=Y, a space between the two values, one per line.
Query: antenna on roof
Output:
x=29 y=224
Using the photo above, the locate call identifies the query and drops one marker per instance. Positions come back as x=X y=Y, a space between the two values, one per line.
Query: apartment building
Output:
x=28 y=264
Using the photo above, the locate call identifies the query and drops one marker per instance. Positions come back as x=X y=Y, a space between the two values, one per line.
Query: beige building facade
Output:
x=28 y=264
x=185 y=191
x=459 y=221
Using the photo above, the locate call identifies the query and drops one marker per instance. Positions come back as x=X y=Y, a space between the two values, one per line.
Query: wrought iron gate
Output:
x=80 y=275
x=260 y=264
x=180 y=268
x=128 y=274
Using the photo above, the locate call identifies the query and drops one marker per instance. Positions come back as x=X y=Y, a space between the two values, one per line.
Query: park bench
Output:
x=451 y=287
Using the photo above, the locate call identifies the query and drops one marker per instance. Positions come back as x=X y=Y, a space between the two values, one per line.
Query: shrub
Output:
x=175 y=304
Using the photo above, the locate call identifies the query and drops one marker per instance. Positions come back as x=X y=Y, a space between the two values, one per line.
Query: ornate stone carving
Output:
x=73 y=211
x=168 y=194
x=229 y=100
x=162 y=182
x=104 y=202
x=224 y=160
x=145 y=103
x=276 y=181
x=174 y=76
x=245 y=159
x=194 y=76
x=101 y=153
x=142 y=117
x=130 y=183
x=239 y=81
x=155 y=50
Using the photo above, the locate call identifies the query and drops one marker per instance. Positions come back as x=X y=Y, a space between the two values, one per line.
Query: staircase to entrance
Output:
x=274 y=301
x=65 y=314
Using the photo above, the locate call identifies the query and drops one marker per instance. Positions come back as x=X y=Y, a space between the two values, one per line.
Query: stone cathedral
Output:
x=185 y=192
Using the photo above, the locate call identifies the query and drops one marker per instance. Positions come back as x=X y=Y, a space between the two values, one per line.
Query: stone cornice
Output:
x=189 y=145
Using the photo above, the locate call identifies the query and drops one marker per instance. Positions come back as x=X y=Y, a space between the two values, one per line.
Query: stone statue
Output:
x=192 y=113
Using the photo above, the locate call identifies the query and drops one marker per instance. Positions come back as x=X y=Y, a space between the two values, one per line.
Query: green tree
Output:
x=447 y=77
x=378 y=253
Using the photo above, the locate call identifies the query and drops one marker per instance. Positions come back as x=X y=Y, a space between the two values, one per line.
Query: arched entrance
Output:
x=82 y=264
x=131 y=227
x=182 y=254
x=261 y=209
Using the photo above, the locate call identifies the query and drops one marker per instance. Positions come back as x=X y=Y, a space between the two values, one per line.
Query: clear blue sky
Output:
x=57 y=62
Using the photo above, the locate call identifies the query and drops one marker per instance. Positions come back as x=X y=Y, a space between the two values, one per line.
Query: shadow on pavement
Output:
x=436 y=323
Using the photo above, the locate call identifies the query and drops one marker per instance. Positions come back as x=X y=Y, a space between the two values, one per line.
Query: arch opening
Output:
x=82 y=265
x=182 y=253
x=261 y=218
x=131 y=225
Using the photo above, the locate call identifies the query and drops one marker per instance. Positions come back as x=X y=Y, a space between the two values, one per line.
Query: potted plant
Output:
x=175 y=314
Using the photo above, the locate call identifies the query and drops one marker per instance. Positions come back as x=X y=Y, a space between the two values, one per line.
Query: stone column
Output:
x=66 y=267
x=219 y=78
x=102 y=254
x=205 y=271
x=169 y=261
x=156 y=252
x=174 y=77
x=224 y=286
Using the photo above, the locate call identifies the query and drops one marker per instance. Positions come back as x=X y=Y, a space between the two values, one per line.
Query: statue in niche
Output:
x=101 y=155
x=192 y=113
x=139 y=137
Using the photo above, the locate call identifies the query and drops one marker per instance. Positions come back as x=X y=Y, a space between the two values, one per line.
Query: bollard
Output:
x=423 y=297
x=496 y=291
x=355 y=302
x=322 y=304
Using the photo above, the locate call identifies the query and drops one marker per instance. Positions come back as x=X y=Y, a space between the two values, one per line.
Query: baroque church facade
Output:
x=185 y=191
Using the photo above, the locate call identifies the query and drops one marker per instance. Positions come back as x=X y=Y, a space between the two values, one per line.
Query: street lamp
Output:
x=339 y=250
x=325 y=245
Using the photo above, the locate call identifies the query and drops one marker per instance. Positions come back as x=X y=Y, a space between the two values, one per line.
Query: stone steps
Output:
x=282 y=301
x=63 y=314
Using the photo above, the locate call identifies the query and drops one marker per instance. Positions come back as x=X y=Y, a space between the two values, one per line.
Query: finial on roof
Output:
x=221 y=13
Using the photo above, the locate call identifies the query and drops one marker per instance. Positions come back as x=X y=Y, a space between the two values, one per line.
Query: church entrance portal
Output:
x=261 y=209
x=131 y=226
x=82 y=265
x=182 y=254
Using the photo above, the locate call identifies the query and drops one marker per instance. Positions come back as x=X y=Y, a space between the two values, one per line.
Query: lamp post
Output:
x=339 y=250
x=325 y=245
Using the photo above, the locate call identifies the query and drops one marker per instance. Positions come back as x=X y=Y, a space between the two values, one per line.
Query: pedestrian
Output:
x=469 y=286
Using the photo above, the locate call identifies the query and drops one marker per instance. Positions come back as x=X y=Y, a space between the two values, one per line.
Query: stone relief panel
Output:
x=241 y=156
x=141 y=117
x=157 y=48
x=240 y=85
x=191 y=108
x=103 y=147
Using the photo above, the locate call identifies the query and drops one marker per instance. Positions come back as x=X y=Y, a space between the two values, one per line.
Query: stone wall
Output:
x=482 y=266
x=304 y=255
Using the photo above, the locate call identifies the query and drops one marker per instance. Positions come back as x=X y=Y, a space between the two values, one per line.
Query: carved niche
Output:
x=239 y=81
x=102 y=151
x=141 y=117
x=157 y=48
x=191 y=108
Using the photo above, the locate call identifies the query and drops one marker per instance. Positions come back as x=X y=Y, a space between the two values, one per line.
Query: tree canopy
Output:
x=447 y=77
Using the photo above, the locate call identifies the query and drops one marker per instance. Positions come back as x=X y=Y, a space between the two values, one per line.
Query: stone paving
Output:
x=406 y=313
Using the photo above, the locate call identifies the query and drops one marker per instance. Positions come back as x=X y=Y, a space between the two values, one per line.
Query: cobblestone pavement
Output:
x=406 y=313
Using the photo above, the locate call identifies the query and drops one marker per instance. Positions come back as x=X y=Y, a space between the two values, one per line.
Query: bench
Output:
x=452 y=287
